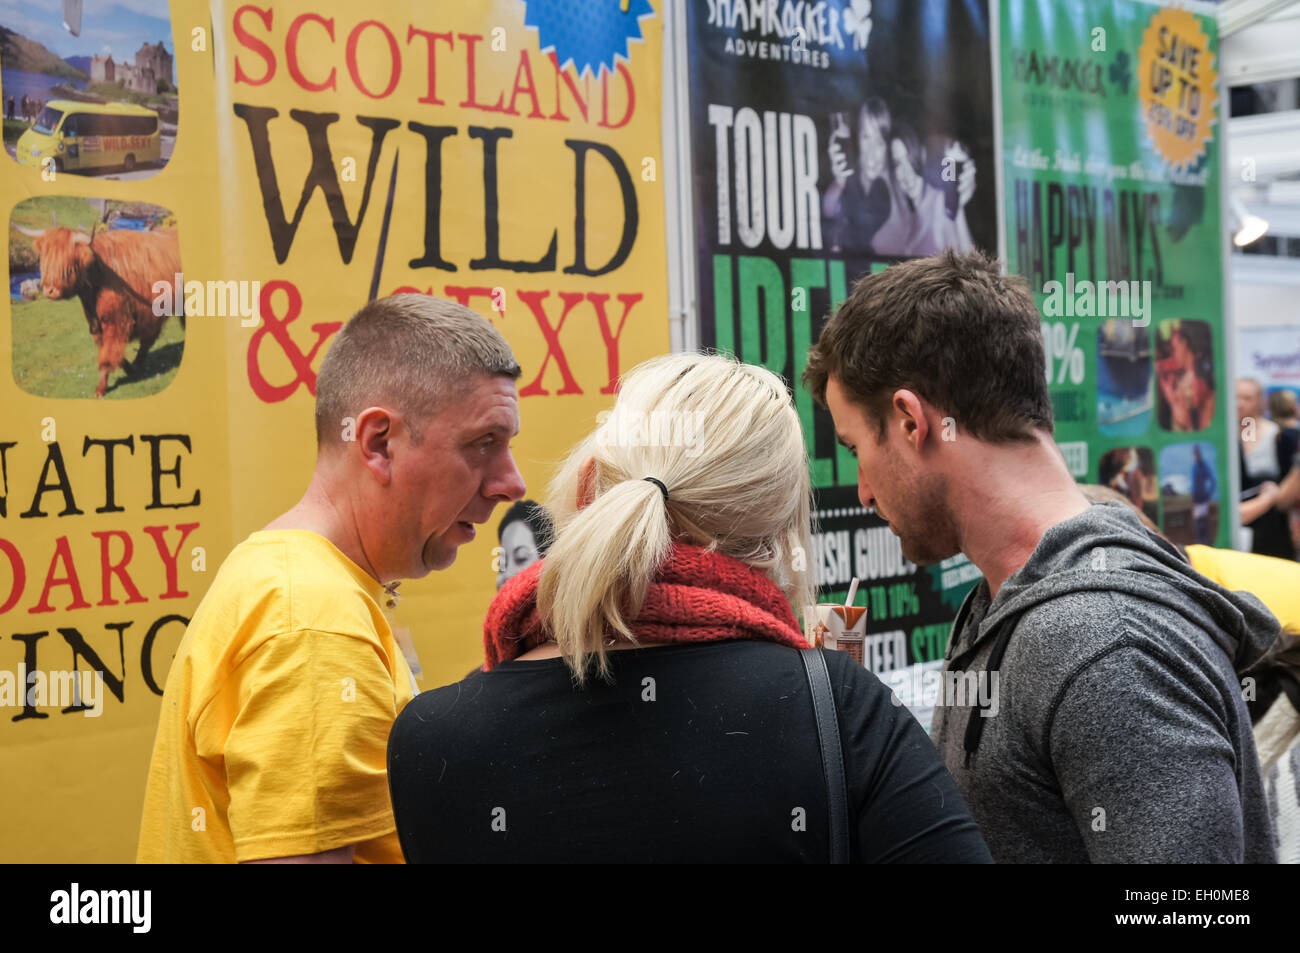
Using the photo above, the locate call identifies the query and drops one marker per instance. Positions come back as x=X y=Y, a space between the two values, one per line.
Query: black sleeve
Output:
x=1288 y=443
x=908 y=807
x=413 y=772
x=399 y=775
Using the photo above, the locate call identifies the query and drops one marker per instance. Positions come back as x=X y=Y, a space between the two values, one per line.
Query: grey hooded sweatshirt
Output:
x=1114 y=729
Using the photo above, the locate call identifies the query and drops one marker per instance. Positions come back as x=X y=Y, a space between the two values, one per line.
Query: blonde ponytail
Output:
x=597 y=572
x=725 y=440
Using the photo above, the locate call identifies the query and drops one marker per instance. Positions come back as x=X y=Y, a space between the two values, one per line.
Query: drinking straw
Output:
x=853 y=591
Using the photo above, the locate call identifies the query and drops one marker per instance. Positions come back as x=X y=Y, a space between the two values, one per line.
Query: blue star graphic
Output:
x=591 y=34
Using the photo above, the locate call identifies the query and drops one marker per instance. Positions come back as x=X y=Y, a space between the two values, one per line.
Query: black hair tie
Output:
x=662 y=489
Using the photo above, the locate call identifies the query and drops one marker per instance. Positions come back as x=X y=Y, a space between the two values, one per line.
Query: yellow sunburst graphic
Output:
x=1177 y=85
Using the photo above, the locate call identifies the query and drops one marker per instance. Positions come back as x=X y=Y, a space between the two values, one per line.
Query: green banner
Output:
x=1111 y=162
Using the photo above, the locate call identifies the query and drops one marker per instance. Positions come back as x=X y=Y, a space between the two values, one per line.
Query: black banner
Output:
x=830 y=141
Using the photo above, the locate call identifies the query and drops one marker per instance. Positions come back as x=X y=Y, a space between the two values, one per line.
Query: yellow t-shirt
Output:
x=1274 y=582
x=273 y=735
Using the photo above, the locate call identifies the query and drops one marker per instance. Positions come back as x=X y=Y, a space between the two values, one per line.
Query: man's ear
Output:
x=587 y=483
x=373 y=432
x=911 y=417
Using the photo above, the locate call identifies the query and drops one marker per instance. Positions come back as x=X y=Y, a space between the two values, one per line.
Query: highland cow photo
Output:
x=89 y=90
x=81 y=277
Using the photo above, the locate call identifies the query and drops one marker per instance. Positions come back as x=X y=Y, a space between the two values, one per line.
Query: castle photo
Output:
x=153 y=64
x=98 y=97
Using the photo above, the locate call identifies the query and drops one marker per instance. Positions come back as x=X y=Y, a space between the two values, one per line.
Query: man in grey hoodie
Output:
x=1097 y=714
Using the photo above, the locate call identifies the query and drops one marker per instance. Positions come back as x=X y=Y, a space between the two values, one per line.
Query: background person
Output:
x=1115 y=661
x=275 y=718
x=1285 y=411
x=1265 y=459
x=667 y=598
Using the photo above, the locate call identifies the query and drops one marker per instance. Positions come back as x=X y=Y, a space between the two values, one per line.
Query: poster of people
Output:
x=1131 y=471
x=1112 y=123
x=830 y=141
x=1189 y=491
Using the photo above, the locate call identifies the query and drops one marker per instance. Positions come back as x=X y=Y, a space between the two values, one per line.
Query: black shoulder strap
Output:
x=828 y=734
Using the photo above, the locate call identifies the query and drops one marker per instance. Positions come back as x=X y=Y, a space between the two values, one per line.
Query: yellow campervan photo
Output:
x=81 y=136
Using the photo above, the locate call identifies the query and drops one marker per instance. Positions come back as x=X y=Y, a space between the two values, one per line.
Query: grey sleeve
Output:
x=1145 y=764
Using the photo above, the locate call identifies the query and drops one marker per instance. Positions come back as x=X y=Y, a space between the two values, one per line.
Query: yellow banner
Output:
x=297 y=160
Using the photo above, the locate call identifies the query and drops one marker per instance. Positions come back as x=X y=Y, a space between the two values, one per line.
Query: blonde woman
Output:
x=643 y=699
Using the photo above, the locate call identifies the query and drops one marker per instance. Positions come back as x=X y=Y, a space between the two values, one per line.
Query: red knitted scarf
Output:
x=697 y=596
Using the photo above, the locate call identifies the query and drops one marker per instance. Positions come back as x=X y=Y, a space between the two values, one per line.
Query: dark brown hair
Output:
x=951 y=328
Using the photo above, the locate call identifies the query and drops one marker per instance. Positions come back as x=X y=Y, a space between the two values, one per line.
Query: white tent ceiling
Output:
x=1261 y=44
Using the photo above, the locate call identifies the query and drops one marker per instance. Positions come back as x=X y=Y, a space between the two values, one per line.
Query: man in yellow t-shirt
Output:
x=272 y=740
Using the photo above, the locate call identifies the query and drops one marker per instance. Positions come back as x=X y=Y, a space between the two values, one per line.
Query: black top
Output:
x=1271 y=530
x=704 y=752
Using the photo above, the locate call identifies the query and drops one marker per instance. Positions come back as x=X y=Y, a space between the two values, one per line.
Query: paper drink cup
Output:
x=838 y=627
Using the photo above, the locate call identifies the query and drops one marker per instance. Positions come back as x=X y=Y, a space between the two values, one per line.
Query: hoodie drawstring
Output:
x=975 y=725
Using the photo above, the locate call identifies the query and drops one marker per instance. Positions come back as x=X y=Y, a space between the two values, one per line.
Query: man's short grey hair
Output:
x=410 y=352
